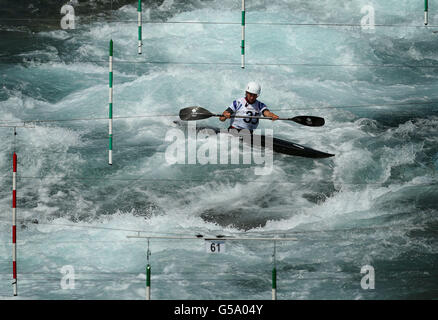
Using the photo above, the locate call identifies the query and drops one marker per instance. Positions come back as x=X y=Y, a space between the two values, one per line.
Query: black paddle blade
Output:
x=309 y=121
x=194 y=113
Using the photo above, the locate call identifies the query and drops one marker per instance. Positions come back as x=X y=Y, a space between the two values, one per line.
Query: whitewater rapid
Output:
x=374 y=203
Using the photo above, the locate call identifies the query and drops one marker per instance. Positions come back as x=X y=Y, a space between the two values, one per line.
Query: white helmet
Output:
x=253 y=87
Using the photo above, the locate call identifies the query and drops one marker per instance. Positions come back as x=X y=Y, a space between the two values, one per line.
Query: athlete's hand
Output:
x=225 y=115
x=271 y=115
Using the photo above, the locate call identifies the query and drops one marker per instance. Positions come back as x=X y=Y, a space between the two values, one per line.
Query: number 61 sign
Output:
x=215 y=246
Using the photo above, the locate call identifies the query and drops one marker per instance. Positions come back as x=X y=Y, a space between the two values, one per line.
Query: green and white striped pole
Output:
x=110 y=151
x=426 y=12
x=274 y=283
x=274 y=275
x=148 y=274
x=243 y=35
x=139 y=27
x=148 y=282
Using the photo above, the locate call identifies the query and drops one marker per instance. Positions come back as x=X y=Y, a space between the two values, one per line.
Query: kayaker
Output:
x=248 y=105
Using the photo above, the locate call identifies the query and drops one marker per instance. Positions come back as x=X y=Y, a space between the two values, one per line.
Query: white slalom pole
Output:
x=243 y=34
x=110 y=151
x=14 y=227
x=139 y=27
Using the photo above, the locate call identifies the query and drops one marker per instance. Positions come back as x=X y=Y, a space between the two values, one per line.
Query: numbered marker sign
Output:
x=215 y=246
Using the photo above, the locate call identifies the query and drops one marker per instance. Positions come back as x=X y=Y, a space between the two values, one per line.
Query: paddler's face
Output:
x=251 y=97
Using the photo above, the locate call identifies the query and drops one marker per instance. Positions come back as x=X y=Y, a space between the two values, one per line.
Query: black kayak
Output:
x=279 y=145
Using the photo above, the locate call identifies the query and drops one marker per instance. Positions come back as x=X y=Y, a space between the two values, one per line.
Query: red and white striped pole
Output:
x=14 y=227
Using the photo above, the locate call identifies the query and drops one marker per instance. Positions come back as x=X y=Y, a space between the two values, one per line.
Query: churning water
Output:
x=374 y=203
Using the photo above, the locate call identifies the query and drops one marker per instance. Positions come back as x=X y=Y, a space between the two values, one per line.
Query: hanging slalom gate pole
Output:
x=14 y=227
x=426 y=12
x=274 y=284
x=274 y=277
x=139 y=27
x=110 y=151
x=148 y=275
x=148 y=282
x=243 y=34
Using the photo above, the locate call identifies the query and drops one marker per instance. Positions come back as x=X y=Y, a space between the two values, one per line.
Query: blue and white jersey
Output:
x=241 y=107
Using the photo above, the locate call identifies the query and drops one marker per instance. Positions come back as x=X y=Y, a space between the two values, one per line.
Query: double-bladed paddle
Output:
x=198 y=113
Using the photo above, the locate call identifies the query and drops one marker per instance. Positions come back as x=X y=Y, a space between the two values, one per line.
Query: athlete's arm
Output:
x=269 y=114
